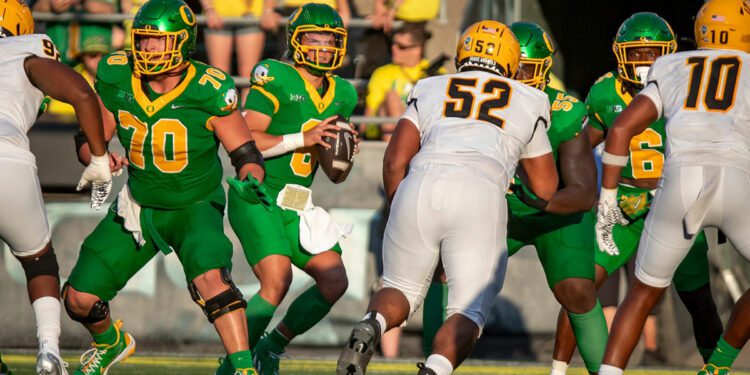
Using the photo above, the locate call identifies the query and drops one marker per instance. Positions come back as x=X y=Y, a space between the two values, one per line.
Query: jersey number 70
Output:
x=461 y=102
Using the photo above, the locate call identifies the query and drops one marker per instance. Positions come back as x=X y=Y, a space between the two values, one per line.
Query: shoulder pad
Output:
x=115 y=68
x=215 y=89
x=267 y=70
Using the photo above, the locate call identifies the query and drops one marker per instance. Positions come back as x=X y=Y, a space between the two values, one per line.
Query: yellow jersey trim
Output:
x=151 y=107
x=623 y=94
x=268 y=95
x=320 y=103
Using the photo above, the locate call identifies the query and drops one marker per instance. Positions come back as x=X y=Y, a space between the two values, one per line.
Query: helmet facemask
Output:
x=321 y=42
x=635 y=70
x=158 y=62
x=534 y=72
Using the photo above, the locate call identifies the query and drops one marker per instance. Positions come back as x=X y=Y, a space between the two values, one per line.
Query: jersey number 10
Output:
x=723 y=75
x=461 y=102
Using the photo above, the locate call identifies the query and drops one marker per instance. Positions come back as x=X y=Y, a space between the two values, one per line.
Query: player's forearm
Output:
x=392 y=177
x=570 y=200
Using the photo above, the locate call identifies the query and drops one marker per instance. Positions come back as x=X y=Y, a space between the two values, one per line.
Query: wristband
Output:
x=617 y=160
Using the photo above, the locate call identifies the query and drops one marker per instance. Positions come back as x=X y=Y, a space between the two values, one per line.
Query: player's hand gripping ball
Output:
x=337 y=160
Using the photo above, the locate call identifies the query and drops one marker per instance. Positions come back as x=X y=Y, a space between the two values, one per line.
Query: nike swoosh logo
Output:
x=174 y=106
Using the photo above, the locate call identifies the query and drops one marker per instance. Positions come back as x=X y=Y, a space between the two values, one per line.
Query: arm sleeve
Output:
x=412 y=108
x=539 y=143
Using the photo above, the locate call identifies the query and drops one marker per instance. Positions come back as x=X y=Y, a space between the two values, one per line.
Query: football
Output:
x=337 y=160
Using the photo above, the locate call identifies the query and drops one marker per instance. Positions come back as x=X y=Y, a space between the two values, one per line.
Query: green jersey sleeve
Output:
x=597 y=100
x=566 y=117
x=114 y=70
x=218 y=90
x=264 y=88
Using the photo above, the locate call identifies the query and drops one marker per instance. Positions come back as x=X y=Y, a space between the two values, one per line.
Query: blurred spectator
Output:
x=67 y=36
x=274 y=10
x=390 y=84
x=220 y=39
x=415 y=11
x=92 y=49
x=129 y=7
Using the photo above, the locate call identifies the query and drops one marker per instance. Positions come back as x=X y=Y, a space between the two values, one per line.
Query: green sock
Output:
x=724 y=355
x=276 y=341
x=259 y=313
x=107 y=337
x=306 y=311
x=433 y=314
x=705 y=353
x=590 y=329
x=242 y=359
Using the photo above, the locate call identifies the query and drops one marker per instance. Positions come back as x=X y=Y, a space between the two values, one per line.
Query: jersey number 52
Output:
x=461 y=102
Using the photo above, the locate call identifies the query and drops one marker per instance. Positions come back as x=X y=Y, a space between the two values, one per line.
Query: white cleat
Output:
x=48 y=363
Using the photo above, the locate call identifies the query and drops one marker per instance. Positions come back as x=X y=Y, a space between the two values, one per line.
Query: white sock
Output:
x=47 y=315
x=610 y=370
x=558 y=367
x=380 y=318
x=439 y=364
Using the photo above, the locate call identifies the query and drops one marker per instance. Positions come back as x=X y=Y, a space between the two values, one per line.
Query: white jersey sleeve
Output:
x=476 y=115
x=21 y=100
x=703 y=97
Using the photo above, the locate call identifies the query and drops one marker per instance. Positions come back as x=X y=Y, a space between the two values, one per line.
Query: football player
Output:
x=707 y=167
x=639 y=41
x=29 y=70
x=460 y=149
x=169 y=112
x=561 y=229
x=290 y=107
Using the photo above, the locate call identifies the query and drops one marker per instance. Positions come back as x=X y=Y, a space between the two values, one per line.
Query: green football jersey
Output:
x=294 y=105
x=168 y=137
x=566 y=120
x=607 y=98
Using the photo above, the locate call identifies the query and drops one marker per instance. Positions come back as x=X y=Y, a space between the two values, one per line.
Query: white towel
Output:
x=130 y=211
x=318 y=231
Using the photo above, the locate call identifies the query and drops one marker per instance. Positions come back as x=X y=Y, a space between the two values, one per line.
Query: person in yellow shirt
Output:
x=415 y=11
x=390 y=84
x=93 y=47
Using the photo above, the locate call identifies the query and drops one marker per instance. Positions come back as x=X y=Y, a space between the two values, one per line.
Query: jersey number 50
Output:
x=461 y=102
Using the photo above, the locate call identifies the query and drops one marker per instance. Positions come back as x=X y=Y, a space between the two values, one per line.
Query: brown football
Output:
x=337 y=160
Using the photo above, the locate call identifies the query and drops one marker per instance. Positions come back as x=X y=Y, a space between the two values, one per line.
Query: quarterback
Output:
x=460 y=149
x=289 y=109
x=168 y=111
x=29 y=70
x=706 y=172
x=639 y=41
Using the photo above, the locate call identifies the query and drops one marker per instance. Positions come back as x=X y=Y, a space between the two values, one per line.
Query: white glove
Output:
x=608 y=215
x=99 y=177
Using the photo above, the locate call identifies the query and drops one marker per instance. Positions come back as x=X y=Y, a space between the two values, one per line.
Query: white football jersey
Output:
x=20 y=99
x=703 y=95
x=477 y=115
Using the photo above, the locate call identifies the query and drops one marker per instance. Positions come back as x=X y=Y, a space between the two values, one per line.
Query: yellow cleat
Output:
x=100 y=358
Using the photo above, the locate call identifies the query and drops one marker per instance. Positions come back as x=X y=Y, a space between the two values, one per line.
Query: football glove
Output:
x=98 y=176
x=251 y=191
x=635 y=205
x=608 y=215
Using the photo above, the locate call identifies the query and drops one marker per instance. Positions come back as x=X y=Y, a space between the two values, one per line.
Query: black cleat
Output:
x=359 y=348
x=424 y=370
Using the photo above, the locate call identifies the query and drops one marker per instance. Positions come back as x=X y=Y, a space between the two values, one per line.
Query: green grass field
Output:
x=169 y=365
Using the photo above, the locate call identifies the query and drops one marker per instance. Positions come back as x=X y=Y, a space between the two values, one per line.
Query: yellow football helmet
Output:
x=724 y=24
x=16 y=18
x=488 y=45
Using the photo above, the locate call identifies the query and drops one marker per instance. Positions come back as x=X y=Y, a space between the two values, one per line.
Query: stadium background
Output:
x=159 y=312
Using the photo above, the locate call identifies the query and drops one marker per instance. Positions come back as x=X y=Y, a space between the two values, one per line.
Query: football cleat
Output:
x=245 y=371
x=709 y=369
x=101 y=357
x=424 y=370
x=49 y=363
x=359 y=348
x=265 y=360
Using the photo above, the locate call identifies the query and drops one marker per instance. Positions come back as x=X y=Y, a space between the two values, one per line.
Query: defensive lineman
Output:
x=461 y=150
x=706 y=172
x=29 y=69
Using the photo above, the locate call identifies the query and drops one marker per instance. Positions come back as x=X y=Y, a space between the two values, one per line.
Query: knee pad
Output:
x=99 y=311
x=223 y=303
x=45 y=265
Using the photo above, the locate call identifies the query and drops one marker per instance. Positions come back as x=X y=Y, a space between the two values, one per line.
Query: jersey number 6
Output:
x=461 y=102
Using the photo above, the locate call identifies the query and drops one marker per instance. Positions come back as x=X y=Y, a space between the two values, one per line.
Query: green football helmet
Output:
x=537 y=50
x=175 y=22
x=643 y=29
x=316 y=18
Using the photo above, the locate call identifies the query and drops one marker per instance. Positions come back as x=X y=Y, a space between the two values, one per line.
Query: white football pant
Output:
x=23 y=220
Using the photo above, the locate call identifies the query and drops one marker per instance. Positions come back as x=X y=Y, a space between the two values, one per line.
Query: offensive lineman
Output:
x=289 y=108
x=29 y=70
x=706 y=173
x=169 y=112
x=639 y=41
x=461 y=150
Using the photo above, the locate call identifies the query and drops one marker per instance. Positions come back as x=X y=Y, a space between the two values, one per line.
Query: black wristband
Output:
x=80 y=139
x=246 y=154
